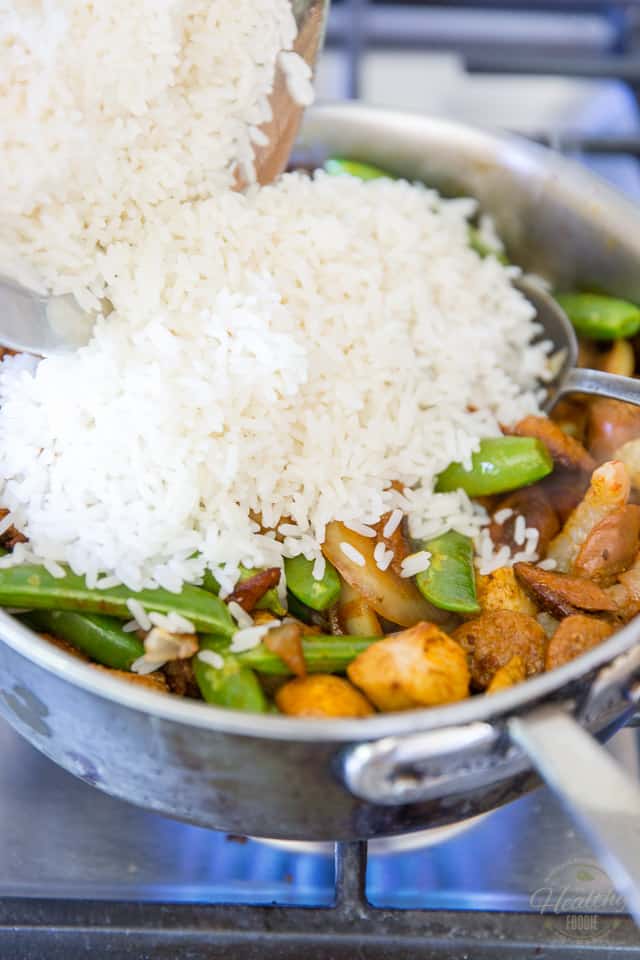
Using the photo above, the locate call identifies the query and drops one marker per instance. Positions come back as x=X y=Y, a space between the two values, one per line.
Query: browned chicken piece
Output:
x=565 y=450
x=533 y=504
x=620 y=359
x=419 y=667
x=250 y=591
x=575 y=635
x=152 y=681
x=608 y=490
x=180 y=678
x=571 y=417
x=611 y=547
x=397 y=542
x=560 y=593
x=322 y=695
x=564 y=489
x=393 y=597
x=513 y=672
x=500 y=590
x=611 y=424
x=493 y=638
x=11 y=535
x=356 y=617
x=286 y=643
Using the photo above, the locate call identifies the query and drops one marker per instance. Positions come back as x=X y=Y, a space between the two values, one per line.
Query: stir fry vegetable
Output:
x=501 y=464
x=228 y=683
x=101 y=638
x=449 y=581
x=599 y=317
x=316 y=594
x=363 y=171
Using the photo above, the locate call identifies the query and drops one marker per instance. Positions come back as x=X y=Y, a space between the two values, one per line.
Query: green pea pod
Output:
x=299 y=610
x=449 y=582
x=32 y=587
x=322 y=654
x=233 y=685
x=501 y=464
x=269 y=601
x=600 y=317
x=101 y=638
x=336 y=166
x=477 y=243
x=317 y=594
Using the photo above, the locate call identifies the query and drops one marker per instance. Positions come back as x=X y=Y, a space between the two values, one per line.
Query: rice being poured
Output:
x=113 y=112
x=278 y=357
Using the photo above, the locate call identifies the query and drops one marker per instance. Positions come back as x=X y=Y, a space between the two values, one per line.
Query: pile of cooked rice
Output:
x=271 y=360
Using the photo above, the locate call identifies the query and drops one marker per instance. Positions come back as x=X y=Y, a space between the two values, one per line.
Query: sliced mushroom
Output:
x=611 y=546
x=391 y=596
x=574 y=636
x=533 y=504
x=500 y=590
x=420 y=667
x=493 y=638
x=181 y=679
x=560 y=593
x=565 y=450
x=608 y=491
x=513 y=672
x=322 y=695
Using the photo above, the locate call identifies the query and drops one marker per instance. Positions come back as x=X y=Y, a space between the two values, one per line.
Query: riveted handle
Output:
x=598 y=795
x=423 y=766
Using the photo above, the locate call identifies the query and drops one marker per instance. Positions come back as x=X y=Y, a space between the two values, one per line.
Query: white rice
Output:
x=392 y=523
x=114 y=113
x=250 y=637
x=415 y=563
x=211 y=658
x=501 y=516
x=139 y=614
x=239 y=614
x=352 y=554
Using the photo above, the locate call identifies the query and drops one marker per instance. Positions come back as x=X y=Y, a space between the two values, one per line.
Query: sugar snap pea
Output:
x=232 y=685
x=449 y=582
x=600 y=317
x=317 y=594
x=501 y=464
x=32 y=587
x=322 y=654
x=363 y=171
x=101 y=638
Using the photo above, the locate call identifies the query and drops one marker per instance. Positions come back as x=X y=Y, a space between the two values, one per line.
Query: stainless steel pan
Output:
x=345 y=779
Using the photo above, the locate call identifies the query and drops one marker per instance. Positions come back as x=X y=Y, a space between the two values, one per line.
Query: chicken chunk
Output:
x=500 y=590
x=492 y=639
x=322 y=695
x=608 y=491
x=574 y=636
x=560 y=593
x=611 y=546
x=419 y=667
x=565 y=450
x=513 y=672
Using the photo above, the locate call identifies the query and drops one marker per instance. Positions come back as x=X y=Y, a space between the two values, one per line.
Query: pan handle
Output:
x=598 y=795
